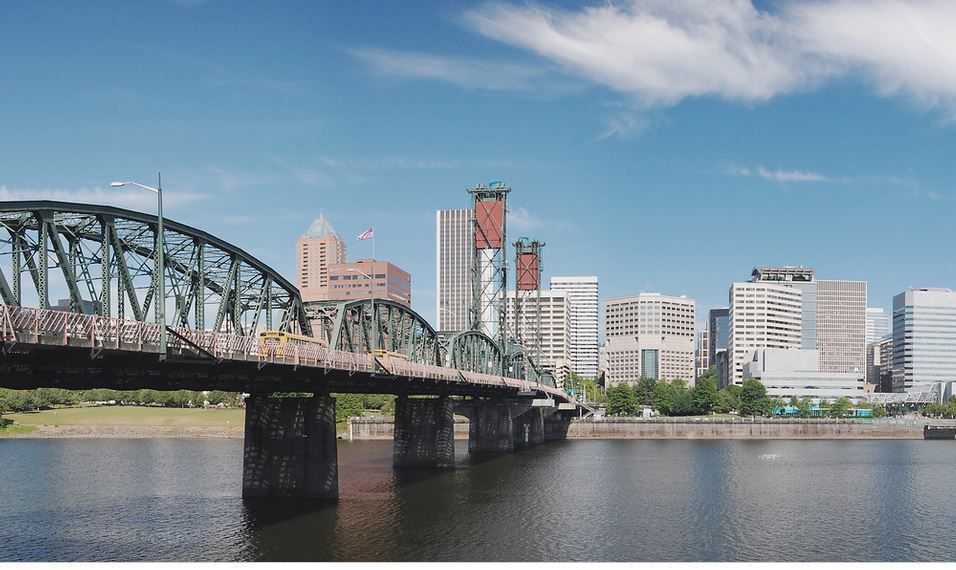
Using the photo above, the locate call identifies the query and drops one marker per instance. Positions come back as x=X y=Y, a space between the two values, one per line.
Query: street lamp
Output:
x=160 y=259
x=371 y=289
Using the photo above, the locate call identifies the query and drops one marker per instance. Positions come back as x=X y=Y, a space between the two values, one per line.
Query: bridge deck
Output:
x=49 y=347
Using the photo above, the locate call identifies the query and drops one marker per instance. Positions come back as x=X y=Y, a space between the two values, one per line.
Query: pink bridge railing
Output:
x=61 y=328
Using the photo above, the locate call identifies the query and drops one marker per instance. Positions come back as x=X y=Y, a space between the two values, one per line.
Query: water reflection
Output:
x=609 y=500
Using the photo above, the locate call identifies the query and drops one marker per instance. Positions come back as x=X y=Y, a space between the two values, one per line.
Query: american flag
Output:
x=367 y=234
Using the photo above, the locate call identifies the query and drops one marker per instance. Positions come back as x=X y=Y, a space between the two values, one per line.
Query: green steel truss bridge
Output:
x=103 y=332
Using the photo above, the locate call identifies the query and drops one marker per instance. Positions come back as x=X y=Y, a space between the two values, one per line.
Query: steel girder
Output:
x=473 y=351
x=351 y=326
x=103 y=259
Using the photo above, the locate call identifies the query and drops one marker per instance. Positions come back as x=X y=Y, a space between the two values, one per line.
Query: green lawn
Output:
x=13 y=429
x=130 y=416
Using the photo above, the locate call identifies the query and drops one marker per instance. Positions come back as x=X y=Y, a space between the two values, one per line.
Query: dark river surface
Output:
x=179 y=500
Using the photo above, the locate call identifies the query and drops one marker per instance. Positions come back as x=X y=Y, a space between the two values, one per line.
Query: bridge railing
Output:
x=48 y=326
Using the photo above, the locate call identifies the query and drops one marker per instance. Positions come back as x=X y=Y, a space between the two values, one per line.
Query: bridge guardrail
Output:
x=29 y=325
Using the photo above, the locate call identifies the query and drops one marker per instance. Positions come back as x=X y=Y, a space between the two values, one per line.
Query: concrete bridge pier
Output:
x=503 y=426
x=424 y=432
x=529 y=428
x=491 y=426
x=556 y=425
x=290 y=448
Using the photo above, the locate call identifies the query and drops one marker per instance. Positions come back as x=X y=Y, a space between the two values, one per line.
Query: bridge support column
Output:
x=290 y=448
x=556 y=426
x=424 y=432
x=491 y=426
x=529 y=428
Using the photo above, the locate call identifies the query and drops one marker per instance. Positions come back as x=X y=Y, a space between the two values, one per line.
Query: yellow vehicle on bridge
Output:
x=386 y=355
x=275 y=339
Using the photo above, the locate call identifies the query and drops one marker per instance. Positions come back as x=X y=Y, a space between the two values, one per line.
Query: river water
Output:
x=633 y=500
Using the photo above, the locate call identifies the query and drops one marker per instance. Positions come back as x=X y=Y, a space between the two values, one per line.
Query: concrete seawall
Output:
x=633 y=428
x=384 y=428
x=676 y=428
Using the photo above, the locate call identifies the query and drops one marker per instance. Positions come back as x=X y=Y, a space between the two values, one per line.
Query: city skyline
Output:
x=253 y=145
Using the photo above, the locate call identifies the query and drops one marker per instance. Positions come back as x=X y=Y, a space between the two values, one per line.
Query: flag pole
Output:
x=373 y=243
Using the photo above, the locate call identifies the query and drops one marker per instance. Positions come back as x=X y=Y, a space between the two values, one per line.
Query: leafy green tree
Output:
x=594 y=391
x=804 y=408
x=753 y=398
x=347 y=405
x=621 y=401
x=644 y=392
x=705 y=395
x=682 y=400
x=729 y=399
x=663 y=397
x=377 y=401
x=841 y=407
x=146 y=397
x=21 y=400
x=218 y=397
x=4 y=404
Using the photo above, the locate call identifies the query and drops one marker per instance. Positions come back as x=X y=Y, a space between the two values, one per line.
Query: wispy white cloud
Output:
x=660 y=52
x=389 y=163
x=120 y=197
x=467 y=73
x=522 y=220
x=625 y=125
x=779 y=175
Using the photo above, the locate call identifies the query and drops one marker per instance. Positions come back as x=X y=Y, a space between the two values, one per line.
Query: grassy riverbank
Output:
x=16 y=429
x=126 y=421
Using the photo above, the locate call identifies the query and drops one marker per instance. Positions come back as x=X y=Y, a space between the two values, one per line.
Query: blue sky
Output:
x=664 y=146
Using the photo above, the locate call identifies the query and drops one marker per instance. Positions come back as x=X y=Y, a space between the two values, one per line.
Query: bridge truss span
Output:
x=103 y=260
x=364 y=324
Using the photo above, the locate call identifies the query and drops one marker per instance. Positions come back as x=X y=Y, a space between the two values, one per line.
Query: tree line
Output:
x=944 y=410
x=675 y=398
x=46 y=398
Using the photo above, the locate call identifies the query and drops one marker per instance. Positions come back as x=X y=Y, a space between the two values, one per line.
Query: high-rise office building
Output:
x=879 y=360
x=924 y=344
x=833 y=315
x=317 y=249
x=841 y=325
x=703 y=352
x=762 y=315
x=650 y=335
x=877 y=324
x=718 y=333
x=583 y=297
x=802 y=278
x=555 y=329
x=369 y=278
x=454 y=255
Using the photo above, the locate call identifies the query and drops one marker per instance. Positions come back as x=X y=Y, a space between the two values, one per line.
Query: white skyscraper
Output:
x=924 y=345
x=650 y=335
x=583 y=296
x=555 y=330
x=454 y=251
x=877 y=324
x=762 y=315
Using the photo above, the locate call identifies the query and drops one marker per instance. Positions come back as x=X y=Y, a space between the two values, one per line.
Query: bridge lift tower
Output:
x=489 y=264
x=528 y=297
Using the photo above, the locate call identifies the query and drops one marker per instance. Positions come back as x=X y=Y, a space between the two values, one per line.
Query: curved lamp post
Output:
x=160 y=260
